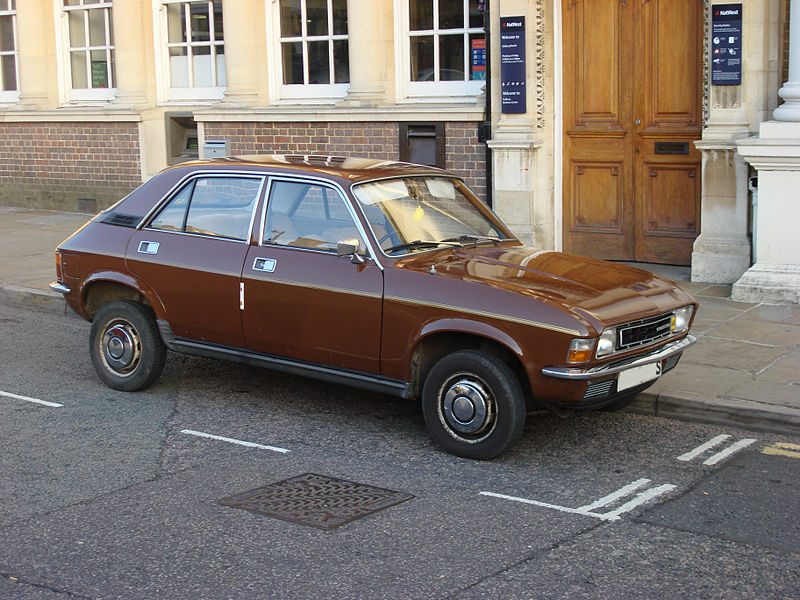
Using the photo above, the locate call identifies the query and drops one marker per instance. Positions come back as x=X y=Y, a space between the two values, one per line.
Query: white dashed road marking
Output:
x=590 y=510
x=713 y=443
x=233 y=441
x=29 y=399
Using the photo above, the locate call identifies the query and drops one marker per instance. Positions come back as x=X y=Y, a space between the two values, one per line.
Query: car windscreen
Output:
x=412 y=214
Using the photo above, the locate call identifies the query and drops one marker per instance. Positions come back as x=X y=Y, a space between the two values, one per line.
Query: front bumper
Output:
x=578 y=374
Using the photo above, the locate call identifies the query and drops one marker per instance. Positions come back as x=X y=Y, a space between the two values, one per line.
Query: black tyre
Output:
x=473 y=405
x=126 y=348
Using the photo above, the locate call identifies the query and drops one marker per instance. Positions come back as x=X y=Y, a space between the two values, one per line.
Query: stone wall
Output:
x=68 y=166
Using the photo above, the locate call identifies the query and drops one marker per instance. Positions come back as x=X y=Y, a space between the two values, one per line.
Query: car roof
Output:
x=352 y=169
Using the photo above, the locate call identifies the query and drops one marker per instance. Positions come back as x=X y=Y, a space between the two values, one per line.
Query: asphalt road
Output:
x=115 y=495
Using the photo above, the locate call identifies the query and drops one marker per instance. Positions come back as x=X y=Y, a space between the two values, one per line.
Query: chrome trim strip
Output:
x=583 y=374
x=488 y=315
x=325 y=288
x=60 y=287
x=326 y=183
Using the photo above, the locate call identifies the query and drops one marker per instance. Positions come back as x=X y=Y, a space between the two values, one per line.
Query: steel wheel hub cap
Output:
x=467 y=406
x=121 y=346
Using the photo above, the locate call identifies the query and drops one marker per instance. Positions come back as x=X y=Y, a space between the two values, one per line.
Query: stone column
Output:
x=368 y=45
x=35 y=47
x=243 y=69
x=775 y=153
x=132 y=25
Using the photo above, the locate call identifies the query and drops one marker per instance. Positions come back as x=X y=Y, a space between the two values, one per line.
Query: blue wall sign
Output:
x=512 y=65
x=726 y=44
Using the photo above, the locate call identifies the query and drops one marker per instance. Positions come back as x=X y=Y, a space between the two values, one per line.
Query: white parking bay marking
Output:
x=713 y=443
x=29 y=399
x=220 y=438
x=722 y=455
x=590 y=510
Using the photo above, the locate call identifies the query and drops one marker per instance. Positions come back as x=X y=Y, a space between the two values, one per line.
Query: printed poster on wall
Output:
x=512 y=65
x=726 y=44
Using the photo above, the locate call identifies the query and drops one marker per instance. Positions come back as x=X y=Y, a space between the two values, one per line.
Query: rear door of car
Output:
x=191 y=252
x=302 y=301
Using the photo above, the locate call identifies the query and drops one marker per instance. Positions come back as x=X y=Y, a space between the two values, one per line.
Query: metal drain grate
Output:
x=316 y=500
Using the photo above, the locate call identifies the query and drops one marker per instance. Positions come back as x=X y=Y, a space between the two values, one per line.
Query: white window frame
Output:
x=183 y=95
x=430 y=90
x=9 y=96
x=311 y=92
x=64 y=60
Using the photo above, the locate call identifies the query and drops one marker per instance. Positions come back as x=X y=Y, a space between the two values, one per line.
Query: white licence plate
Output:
x=638 y=375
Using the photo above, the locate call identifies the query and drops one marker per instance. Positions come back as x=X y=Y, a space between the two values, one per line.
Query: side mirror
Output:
x=352 y=248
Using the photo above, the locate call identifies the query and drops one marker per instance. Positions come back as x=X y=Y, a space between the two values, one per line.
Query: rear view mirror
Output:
x=350 y=247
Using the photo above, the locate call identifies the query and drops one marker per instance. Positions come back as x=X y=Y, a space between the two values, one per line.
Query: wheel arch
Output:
x=103 y=287
x=440 y=338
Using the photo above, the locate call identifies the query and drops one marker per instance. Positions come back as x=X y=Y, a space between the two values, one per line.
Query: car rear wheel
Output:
x=473 y=405
x=125 y=346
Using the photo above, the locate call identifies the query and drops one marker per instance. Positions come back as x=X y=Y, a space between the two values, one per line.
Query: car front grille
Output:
x=643 y=332
x=598 y=389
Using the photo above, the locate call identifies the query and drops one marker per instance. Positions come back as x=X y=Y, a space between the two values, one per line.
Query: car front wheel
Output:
x=473 y=405
x=125 y=346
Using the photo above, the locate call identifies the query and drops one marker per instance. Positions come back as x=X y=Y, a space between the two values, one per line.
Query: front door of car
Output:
x=302 y=301
x=192 y=251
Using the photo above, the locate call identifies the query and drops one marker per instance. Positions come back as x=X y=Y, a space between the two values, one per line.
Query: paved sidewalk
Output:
x=744 y=369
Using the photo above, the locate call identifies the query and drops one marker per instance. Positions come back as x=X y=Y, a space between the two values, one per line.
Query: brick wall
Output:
x=465 y=156
x=68 y=166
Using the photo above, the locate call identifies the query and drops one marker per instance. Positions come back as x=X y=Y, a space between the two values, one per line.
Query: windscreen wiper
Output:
x=471 y=238
x=423 y=244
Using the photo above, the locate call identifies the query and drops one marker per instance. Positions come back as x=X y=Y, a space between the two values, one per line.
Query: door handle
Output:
x=265 y=264
x=148 y=247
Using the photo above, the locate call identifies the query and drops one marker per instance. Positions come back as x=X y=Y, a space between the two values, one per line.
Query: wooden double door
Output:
x=633 y=87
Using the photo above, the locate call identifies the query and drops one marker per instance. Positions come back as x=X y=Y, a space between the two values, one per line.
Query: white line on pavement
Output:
x=715 y=441
x=722 y=455
x=29 y=399
x=623 y=491
x=641 y=498
x=566 y=509
x=233 y=441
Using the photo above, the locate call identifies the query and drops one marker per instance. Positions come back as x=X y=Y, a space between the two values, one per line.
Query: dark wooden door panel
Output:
x=632 y=80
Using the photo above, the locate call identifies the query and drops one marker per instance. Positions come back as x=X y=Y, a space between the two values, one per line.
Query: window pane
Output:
x=316 y=17
x=477 y=63
x=292 y=63
x=318 y=63
x=451 y=58
x=8 y=73
x=78 y=65
x=339 y=17
x=341 y=61
x=6 y=33
x=219 y=30
x=422 y=58
x=199 y=22
x=451 y=14
x=77 y=35
x=176 y=25
x=475 y=14
x=222 y=207
x=172 y=215
x=201 y=61
x=290 y=18
x=420 y=14
x=307 y=216
x=178 y=67
x=97 y=27
x=72 y=2
x=99 y=69
x=221 y=80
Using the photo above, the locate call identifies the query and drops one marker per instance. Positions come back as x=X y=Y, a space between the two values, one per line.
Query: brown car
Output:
x=381 y=275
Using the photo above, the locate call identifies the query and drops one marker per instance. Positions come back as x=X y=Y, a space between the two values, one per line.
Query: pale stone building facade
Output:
x=624 y=148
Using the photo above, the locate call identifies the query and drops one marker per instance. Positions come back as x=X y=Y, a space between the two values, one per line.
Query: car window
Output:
x=217 y=206
x=307 y=215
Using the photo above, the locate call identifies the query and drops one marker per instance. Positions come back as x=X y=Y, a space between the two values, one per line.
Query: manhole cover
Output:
x=316 y=500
